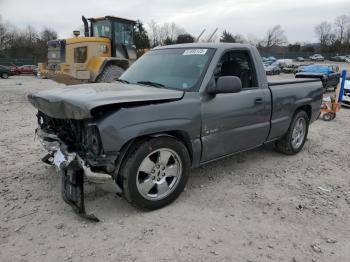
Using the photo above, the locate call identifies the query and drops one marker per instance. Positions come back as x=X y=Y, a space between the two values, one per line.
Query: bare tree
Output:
x=153 y=33
x=324 y=31
x=47 y=34
x=341 y=23
x=3 y=35
x=347 y=35
x=274 y=37
x=253 y=40
x=166 y=33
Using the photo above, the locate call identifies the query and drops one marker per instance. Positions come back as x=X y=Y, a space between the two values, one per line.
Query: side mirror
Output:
x=226 y=84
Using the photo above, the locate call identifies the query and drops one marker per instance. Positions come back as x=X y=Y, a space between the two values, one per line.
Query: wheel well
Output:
x=128 y=147
x=122 y=63
x=306 y=108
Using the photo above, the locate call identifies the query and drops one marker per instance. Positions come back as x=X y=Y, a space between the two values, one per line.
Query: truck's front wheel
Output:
x=155 y=172
x=293 y=141
x=109 y=74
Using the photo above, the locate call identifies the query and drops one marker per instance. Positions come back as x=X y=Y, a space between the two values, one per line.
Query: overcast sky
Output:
x=297 y=17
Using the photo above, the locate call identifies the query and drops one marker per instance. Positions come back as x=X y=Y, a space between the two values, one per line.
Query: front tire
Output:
x=155 y=172
x=293 y=141
x=110 y=74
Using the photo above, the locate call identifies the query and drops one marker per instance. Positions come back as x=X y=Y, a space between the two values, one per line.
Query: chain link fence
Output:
x=18 y=62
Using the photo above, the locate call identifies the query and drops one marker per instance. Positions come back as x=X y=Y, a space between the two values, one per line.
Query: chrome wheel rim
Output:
x=298 y=133
x=159 y=174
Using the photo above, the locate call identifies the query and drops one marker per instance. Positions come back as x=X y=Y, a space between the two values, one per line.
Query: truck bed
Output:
x=287 y=97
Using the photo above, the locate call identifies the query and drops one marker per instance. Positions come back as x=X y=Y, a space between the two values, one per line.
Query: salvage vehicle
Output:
x=176 y=108
x=317 y=57
x=346 y=95
x=338 y=58
x=25 y=70
x=328 y=74
x=273 y=69
x=5 y=72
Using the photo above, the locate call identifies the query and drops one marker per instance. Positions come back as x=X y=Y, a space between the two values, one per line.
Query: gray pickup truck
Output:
x=176 y=108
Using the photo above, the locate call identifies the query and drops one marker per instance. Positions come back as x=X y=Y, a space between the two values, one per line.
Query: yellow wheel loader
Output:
x=101 y=55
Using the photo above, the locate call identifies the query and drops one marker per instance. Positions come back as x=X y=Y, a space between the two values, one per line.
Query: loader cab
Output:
x=121 y=33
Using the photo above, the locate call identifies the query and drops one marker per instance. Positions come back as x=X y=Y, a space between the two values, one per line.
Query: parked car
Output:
x=268 y=60
x=338 y=58
x=5 y=72
x=328 y=74
x=317 y=57
x=346 y=94
x=273 y=69
x=25 y=69
x=290 y=69
x=300 y=59
x=177 y=107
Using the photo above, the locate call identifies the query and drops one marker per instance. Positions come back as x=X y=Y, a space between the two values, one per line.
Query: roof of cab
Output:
x=206 y=45
x=110 y=17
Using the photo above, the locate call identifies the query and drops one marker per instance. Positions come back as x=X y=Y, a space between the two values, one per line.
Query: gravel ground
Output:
x=255 y=206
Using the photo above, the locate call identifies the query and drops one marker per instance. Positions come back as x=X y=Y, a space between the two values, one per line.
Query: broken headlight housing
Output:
x=94 y=140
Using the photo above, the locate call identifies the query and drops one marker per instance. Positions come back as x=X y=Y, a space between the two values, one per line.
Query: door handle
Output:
x=259 y=100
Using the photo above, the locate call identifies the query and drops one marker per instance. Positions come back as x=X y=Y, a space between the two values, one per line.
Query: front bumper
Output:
x=73 y=171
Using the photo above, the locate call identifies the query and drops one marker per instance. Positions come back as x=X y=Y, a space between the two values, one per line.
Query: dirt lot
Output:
x=255 y=206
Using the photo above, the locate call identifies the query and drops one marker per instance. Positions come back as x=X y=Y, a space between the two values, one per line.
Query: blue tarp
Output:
x=317 y=69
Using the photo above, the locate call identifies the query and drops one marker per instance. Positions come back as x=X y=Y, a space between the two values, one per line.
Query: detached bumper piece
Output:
x=71 y=169
x=73 y=192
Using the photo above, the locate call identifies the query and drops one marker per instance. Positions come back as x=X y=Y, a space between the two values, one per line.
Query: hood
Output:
x=76 y=102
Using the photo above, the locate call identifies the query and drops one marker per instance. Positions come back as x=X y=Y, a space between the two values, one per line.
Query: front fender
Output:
x=127 y=123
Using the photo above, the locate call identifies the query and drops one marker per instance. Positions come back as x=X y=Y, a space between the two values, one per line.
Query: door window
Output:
x=123 y=33
x=237 y=63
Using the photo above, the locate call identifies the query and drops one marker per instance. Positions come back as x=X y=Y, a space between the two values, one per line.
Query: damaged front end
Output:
x=74 y=148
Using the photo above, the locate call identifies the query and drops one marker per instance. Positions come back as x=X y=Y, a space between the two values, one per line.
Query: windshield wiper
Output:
x=150 y=83
x=123 y=81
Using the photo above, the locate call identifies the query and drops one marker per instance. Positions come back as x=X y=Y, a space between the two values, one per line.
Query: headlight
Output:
x=94 y=141
x=103 y=48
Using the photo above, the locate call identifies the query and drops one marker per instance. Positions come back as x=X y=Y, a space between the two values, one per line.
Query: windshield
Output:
x=171 y=68
x=102 y=29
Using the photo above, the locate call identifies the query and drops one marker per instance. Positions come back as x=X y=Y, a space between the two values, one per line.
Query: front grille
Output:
x=70 y=131
x=55 y=54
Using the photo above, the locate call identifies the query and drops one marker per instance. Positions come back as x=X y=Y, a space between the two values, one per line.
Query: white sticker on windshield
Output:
x=195 y=52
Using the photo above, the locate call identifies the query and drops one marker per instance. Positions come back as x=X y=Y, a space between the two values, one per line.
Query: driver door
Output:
x=235 y=122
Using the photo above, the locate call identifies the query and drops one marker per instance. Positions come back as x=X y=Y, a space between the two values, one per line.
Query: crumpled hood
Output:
x=76 y=102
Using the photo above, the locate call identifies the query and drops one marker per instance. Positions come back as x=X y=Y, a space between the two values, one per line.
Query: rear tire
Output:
x=110 y=74
x=155 y=172
x=293 y=141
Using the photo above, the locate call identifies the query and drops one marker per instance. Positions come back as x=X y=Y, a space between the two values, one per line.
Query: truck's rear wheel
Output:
x=109 y=74
x=155 y=172
x=293 y=141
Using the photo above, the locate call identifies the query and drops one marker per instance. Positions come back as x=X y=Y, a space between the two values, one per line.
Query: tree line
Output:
x=24 y=44
x=332 y=37
x=32 y=44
